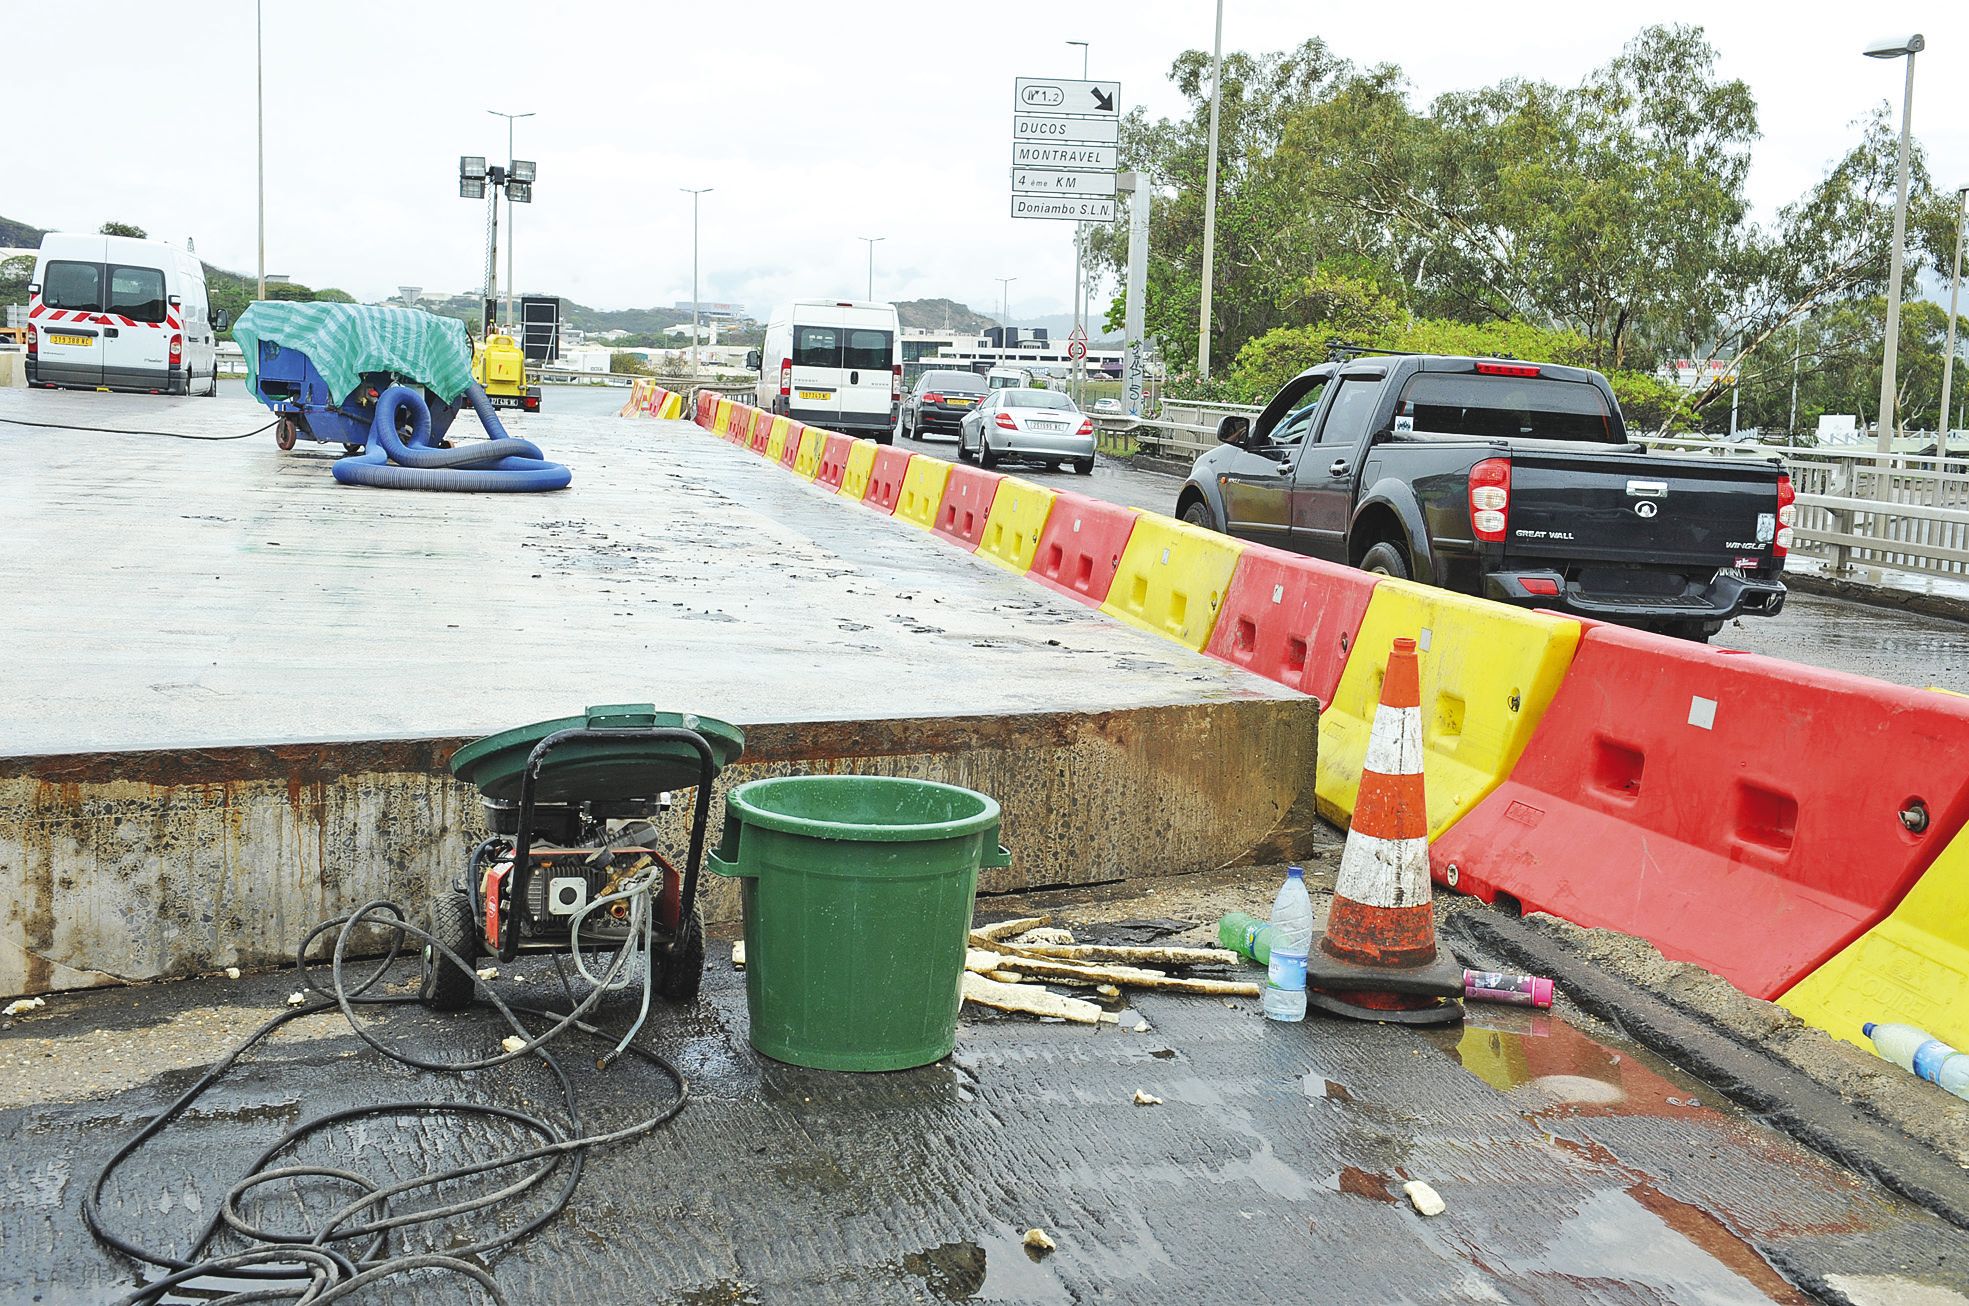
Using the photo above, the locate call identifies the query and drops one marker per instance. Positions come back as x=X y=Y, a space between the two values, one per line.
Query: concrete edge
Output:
x=1915 y=1162
x=1880 y=596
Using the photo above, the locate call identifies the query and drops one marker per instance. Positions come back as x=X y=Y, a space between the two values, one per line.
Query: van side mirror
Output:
x=753 y=359
x=221 y=319
x=34 y=287
x=1235 y=429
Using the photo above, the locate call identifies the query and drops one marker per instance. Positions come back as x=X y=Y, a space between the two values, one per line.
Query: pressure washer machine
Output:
x=575 y=860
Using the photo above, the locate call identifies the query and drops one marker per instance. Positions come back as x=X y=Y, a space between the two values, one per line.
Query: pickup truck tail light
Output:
x=1490 y=499
x=785 y=377
x=1787 y=514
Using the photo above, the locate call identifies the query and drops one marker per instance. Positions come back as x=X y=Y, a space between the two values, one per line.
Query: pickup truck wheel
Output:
x=1385 y=559
x=1197 y=514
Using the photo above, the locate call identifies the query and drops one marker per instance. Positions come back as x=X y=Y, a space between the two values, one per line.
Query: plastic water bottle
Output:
x=1292 y=936
x=1916 y=1050
x=1247 y=936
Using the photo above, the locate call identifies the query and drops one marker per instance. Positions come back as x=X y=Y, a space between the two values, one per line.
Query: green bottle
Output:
x=1247 y=936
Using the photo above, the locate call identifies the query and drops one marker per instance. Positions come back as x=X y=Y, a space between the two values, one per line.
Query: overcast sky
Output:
x=815 y=124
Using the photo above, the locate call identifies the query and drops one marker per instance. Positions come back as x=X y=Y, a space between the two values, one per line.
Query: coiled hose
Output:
x=348 y=1249
x=501 y=464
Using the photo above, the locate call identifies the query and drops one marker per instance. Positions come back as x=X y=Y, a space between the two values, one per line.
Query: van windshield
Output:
x=73 y=285
x=866 y=349
x=1506 y=408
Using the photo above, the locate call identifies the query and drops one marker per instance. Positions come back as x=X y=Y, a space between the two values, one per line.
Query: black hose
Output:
x=112 y=430
x=349 y=1249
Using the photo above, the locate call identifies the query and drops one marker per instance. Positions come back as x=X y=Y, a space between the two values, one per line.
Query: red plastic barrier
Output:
x=762 y=431
x=740 y=432
x=1291 y=619
x=794 y=432
x=1747 y=814
x=834 y=460
x=885 y=480
x=707 y=404
x=967 y=497
x=1080 y=549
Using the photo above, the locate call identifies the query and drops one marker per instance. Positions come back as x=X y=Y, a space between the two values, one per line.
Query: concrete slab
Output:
x=1576 y=1167
x=173 y=594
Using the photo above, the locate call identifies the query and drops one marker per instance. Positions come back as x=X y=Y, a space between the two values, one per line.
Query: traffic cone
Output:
x=1377 y=958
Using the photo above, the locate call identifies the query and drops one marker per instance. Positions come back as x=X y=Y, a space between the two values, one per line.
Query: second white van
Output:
x=835 y=364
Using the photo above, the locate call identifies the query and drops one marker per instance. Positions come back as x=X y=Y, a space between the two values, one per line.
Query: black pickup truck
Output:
x=1511 y=480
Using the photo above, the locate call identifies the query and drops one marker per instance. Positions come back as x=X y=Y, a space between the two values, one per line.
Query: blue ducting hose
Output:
x=501 y=464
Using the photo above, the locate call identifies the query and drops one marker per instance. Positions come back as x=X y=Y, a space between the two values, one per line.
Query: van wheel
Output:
x=212 y=389
x=1385 y=559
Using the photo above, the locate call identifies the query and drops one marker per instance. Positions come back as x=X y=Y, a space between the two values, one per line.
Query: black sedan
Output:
x=940 y=402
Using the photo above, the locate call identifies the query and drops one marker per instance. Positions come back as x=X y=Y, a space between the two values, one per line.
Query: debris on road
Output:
x=1037 y=1241
x=1031 y=1000
x=1425 y=1200
x=738 y=955
x=512 y=1042
x=1103 y=952
x=1146 y=1099
x=296 y=999
x=22 y=1005
x=1045 y=934
x=1512 y=990
x=232 y=972
x=488 y=972
x=986 y=935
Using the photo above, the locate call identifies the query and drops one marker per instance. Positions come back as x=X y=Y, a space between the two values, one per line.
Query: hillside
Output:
x=18 y=235
x=941 y=315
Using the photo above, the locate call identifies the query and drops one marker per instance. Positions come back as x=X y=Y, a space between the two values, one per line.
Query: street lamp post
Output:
x=872 y=242
x=1210 y=200
x=1954 y=291
x=1078 y=370
x=1895 y=48
x=706 y=190
x=510 y=289
x=260 y=139
x=1004 y=302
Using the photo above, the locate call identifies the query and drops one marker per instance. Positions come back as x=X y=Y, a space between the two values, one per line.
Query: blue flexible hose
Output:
x=501 y=464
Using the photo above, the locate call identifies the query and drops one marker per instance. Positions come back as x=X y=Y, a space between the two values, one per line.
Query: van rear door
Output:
x=817 y=376
x=137 y=333
x=868 y=359
x=69 y=351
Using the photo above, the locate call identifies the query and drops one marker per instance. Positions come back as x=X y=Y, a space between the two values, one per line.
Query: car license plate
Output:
x=960 y=403
x=71 y=340
x=816 y=394
x=1046 y=426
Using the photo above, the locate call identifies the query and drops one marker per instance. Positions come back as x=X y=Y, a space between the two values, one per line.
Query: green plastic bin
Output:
x=857 y=893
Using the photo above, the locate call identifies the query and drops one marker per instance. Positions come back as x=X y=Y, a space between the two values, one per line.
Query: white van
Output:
x=835 y=364
x=1008 y=378
x=110 y=312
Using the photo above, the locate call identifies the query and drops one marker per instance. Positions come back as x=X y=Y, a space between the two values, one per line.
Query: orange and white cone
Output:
x=1377 y=958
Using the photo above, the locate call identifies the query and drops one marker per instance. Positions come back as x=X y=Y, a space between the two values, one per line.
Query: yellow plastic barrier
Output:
x=636 y=397
x=721 y=417
x=1172 y=579
x=807 y=462
x=1913 y=967
x=1018 y=515
x=673 y=405
x=854 y=476
x=1489 y=671
x=776 y=439
x=922 y=490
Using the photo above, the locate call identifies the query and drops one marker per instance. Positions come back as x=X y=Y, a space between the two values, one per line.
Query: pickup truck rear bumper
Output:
x=1730 y=593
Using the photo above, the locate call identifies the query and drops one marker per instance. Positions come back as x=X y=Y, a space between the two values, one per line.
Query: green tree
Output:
x=123 y=229
x=623 y=363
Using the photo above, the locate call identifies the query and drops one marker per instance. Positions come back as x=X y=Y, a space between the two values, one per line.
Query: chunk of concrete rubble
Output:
x=488 y=972
x=296 y=999
x=1037 y=1242
x=512 y=1042
x=21 y=1006
x=1146 y=1099
x=1425 y=1200
x=232 y=972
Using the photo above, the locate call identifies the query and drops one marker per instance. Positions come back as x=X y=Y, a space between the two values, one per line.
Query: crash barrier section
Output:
x=1081 y=546
x=762 y=431
x=1911 y=968
x=885 y=478
x=968 y=494
x=861 y=462
x=776 y=439
x=739 y=429
x=833 y=460
x=1012 y=530
x=638 y=396
x=1172 y=579
x=1292 y=619
x=796 y=433
x=807 y=461
x=1750 y=815
x=666 y=403
x=1489 y=671
x=706 y=403
x=721 y=420
x=742 y=429
x=922 y=490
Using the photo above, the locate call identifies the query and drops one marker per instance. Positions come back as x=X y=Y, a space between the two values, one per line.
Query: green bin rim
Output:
x=741 y=800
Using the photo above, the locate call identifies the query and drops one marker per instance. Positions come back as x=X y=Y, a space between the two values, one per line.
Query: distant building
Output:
x=967 y=351
x=711 y=310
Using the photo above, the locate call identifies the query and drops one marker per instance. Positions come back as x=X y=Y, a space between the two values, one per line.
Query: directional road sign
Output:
x=1103 y=157
x=1062 y=96
x=1034 y=128
x=1063 y=206
x=1042 y=181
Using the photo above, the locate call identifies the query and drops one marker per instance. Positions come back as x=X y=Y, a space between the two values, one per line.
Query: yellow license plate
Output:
x=71 y=340
x=816 y=394
x=960 y=403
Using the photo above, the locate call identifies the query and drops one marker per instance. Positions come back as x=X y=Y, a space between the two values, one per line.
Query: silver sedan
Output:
x=1041 y=426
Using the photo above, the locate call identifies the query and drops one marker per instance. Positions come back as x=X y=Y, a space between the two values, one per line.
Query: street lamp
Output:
x=260 y=140
x=1955 y=290
x=703 y=190
x=526 y=196
x=477 y=181
x=872 y=242
x=1079 y=253
x=1210 y=201
x=1005 y=300
x=1895 y=48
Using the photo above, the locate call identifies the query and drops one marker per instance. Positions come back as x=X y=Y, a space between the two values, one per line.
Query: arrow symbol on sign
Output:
x=1103 y=100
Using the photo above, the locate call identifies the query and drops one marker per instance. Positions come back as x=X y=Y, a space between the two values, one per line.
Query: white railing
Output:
x=1184 y=429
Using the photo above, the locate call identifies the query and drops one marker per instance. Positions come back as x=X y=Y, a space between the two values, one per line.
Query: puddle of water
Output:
x=1361 y=1183
x=1554 y=1069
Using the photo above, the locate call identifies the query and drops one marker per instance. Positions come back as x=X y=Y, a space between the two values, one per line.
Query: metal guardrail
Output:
x=1183 y=429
